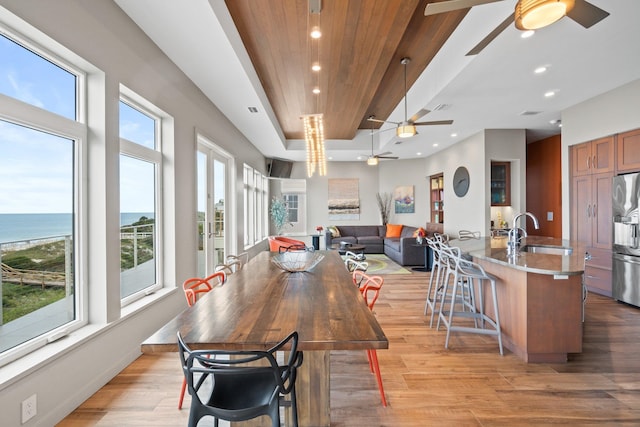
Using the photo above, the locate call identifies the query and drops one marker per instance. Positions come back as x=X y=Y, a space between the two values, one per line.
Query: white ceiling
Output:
x=487 y=91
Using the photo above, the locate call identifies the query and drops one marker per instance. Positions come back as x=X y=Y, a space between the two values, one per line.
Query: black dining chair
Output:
x=236 y=386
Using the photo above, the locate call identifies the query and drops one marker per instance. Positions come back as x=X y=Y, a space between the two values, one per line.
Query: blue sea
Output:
x=16 y=227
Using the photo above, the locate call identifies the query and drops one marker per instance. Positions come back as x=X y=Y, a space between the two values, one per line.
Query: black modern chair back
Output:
x=240 y=385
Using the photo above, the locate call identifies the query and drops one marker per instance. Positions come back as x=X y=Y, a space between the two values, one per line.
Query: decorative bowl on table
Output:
x=297 y=261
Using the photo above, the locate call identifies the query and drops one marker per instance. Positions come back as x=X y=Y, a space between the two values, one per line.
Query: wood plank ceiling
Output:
x=362 y=44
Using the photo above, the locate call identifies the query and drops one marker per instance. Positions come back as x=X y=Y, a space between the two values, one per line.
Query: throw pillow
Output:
x=334 y=231
x=394 y=230
x=418 y=230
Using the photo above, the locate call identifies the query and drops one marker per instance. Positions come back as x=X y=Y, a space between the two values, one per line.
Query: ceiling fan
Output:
x=528 y=15
x=407 y=128
x=372 y=159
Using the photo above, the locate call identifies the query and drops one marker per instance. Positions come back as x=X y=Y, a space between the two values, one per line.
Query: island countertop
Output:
x=494 y=249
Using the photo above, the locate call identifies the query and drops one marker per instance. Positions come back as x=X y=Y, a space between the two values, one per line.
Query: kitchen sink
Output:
x=547 y=249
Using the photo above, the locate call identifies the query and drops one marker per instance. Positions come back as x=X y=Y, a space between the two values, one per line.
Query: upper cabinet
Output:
x=593 y=157
x=500 y=184
x=628 y=159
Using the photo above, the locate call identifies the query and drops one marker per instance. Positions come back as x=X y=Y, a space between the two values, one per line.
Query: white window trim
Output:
x=18 y=112
x=155 y=156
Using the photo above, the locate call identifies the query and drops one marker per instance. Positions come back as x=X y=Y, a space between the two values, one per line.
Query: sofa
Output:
x=402 y=250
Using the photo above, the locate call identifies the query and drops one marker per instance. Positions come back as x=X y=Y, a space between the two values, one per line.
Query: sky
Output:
x=36 y=167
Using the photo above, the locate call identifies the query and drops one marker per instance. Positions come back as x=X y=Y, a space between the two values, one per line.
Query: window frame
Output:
x=154 y=156
x=23 y=114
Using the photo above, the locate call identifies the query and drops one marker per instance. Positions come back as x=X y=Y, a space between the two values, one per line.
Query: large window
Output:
x=41 y=141
x=140 y=171
x=256 y=196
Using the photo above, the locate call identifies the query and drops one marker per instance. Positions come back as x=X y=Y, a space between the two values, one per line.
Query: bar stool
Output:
x=466 y=274
x=438 y=271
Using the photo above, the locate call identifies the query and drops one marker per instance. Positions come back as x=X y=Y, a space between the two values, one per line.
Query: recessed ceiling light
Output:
x=315 y=33
x=330 y=158
x=359 y=157
x=316 y=90
x=435 y=145
x=540 y=69
x=527 y=34
x=316 y=66
x=549 y=94
x=453 y=135
x=418 y=154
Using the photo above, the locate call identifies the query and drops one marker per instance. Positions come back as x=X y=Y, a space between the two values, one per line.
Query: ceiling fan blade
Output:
x=435 y=122
x=381 y=121
x=387 y=157
x=448 y=6
x=492 y=35
x=586 y=14
x=383 y=154
x=419 y=114
x=384 y=130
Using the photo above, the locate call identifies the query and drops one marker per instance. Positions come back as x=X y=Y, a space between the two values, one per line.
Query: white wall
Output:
x=507 y=145
x=102 y=34
x=607 y=114
x=399 y=173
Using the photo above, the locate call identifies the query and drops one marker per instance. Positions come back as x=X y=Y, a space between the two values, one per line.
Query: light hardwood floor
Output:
x=469 y=384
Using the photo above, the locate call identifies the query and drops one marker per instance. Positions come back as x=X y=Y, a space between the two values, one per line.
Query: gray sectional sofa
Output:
x=402 y=250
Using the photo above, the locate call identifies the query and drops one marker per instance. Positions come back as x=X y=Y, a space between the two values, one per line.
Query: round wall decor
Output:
x=461 y=181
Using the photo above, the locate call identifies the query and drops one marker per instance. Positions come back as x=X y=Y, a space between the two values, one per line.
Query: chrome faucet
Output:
x=514 y=234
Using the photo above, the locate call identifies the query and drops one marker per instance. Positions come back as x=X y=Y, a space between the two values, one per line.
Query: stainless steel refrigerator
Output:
x=626 y=227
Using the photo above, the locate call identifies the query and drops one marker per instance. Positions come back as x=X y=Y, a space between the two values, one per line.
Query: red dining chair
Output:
x=370 y=290
x=193 y=289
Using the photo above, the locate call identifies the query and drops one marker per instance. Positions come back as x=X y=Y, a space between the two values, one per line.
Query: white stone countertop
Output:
x=494 y=249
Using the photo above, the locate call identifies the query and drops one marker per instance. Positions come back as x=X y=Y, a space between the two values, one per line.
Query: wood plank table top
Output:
x=261 y=304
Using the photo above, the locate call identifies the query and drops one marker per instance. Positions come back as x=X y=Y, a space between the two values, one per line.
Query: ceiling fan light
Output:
x=405 y=131
x=372 y=161
x=534 y=14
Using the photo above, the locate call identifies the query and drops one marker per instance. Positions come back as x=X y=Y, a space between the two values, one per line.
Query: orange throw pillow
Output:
x=394 y=230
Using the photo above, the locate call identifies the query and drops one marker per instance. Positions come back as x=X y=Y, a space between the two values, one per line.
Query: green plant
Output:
x=279 y=213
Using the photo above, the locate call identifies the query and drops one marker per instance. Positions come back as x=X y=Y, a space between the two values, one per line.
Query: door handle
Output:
x=588 y=211
x=593 y=162
x=593 y=210
x=209 y=233
x=588 y=162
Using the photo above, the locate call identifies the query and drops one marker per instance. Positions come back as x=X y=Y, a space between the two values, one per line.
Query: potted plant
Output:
x=279 y=214
x=384 y=204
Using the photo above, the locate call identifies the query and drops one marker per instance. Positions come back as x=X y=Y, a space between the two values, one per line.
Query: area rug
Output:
x=382 y=264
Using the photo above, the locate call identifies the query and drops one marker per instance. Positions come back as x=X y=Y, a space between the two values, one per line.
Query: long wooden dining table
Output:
x=261 y=304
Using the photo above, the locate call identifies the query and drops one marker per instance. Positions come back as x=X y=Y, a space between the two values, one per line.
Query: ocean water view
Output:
x=16 y=227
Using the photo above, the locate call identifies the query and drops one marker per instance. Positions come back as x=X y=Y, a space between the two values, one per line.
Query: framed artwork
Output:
x=403 y=199
x=344 y=199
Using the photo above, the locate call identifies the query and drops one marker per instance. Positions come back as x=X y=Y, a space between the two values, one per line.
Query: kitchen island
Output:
x=540 y=294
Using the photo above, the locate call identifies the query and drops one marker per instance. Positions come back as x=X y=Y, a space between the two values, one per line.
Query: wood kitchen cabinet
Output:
x=593 y=157
x=591 y=217
x=628 y=159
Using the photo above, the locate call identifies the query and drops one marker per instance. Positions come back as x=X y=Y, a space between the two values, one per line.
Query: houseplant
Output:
x=279 y=214
x=384 y=204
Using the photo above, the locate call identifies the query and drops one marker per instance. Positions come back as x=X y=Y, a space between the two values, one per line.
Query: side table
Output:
x=315 y=241
x=427 y=258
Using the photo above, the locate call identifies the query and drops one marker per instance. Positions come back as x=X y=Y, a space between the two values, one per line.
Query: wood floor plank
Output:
x=469 y=384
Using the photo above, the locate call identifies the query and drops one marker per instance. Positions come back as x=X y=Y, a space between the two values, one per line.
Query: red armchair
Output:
x=277 y=242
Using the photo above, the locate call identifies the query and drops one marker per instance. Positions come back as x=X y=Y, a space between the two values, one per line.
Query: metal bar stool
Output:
x=467 y=273
x=438 y=272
